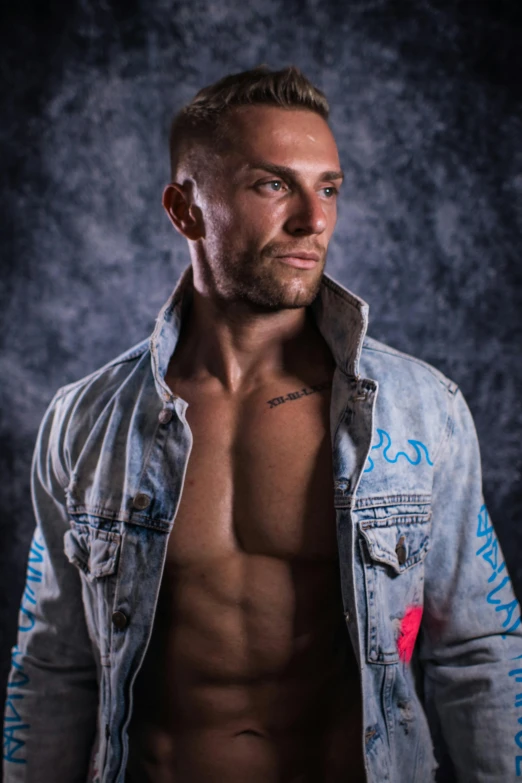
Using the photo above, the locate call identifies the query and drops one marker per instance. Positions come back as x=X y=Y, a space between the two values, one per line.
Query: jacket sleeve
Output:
x=52 y=691
x=471 y=641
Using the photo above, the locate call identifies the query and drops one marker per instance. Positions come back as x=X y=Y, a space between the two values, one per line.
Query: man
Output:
x=262 y=553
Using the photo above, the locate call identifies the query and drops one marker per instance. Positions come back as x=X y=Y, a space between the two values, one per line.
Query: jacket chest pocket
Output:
x=95 y=552
x=394 y=540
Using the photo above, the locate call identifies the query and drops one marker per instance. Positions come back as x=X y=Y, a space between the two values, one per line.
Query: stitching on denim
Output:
x=402 y=498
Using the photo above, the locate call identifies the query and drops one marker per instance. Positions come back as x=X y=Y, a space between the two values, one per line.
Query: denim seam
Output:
x=129 y=356
x=395 y=519
x=439 y=376
x=124 y=517
x=379 y=501
x=446 y=436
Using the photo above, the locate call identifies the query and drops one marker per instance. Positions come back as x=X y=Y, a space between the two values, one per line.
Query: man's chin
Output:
x=292 y=293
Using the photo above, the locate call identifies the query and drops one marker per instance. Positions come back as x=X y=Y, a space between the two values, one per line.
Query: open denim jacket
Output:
x=428 y=603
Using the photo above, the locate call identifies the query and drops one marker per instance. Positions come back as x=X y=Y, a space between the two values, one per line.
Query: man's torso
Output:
x=250 y=673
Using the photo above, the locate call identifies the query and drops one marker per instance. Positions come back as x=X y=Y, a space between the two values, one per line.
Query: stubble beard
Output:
x=261 y=280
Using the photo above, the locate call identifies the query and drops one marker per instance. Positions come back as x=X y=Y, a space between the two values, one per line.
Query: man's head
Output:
x=255 y=174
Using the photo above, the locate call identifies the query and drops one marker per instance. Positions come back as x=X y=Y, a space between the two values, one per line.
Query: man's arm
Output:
x=52 y=694
x=471 y=641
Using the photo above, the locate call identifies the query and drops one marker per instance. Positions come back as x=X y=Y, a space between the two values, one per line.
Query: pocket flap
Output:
x=94 y=551
x=397 y=546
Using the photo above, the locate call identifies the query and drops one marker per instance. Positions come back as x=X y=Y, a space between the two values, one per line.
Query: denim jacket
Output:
x=428 y=603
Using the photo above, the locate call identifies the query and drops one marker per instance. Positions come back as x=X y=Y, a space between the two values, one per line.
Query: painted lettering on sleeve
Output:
x=500 y=596
x=517 y=674
x=14 y=724
x=34 y=574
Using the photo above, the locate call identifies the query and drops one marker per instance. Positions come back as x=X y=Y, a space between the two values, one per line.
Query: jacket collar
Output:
x=341 y=317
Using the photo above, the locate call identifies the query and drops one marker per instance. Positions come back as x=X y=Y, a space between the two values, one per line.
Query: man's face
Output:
x=267 y=203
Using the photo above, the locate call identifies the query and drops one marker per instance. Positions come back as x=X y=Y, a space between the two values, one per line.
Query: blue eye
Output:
x=274 y=186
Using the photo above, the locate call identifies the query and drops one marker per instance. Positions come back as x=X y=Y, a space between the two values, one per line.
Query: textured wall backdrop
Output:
x=426 y=107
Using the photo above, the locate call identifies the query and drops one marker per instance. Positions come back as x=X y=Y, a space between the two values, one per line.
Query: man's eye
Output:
x=330 y=191
x=275 y=185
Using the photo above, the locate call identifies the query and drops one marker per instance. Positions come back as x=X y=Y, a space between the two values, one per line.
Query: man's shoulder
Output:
x=416 y=406
x=77 y=407
x=380 y=360
x=109 y=375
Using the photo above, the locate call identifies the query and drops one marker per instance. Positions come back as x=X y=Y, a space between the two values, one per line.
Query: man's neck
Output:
x=240 y=348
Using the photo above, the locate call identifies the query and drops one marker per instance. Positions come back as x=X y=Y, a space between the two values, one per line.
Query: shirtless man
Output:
x=250 y=675
x=248 y=567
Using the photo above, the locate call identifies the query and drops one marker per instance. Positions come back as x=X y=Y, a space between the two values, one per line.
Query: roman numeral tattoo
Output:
x=296 y=395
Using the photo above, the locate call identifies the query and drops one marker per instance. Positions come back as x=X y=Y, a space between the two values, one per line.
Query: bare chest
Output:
x=259 y=478
x=249 y=645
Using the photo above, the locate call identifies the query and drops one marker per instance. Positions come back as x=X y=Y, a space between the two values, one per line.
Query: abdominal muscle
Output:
x=231 y=692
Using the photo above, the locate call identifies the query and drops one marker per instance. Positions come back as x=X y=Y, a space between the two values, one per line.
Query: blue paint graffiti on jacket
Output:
x=419 y=447
x=12 y=720
x=18 y=681
x=517 y=674
x=500 y=597
x=33 y=575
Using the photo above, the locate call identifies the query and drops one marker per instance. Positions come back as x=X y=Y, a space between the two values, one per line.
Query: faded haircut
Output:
x=202 y=121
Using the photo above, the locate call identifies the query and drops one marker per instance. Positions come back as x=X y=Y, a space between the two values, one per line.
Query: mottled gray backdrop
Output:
x=426 y=107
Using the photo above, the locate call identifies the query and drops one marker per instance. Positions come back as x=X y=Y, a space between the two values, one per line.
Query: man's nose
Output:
x=307 y=216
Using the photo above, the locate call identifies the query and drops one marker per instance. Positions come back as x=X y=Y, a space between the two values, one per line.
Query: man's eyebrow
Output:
x=287 y=172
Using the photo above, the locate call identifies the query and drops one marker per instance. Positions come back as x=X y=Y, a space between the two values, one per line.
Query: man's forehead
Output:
x=258 y=120
x=279 y=135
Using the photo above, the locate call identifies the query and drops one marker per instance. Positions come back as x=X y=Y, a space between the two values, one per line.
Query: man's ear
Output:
x=185 y=216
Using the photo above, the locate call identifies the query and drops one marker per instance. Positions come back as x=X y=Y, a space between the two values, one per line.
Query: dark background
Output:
x=426 y=107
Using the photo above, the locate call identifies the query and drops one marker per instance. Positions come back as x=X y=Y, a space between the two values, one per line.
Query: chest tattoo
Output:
x=296 y=395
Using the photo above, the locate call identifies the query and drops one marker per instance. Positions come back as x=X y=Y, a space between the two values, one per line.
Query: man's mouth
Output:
x=300 y=260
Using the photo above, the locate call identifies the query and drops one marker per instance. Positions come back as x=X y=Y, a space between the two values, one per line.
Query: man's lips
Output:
x=300 y=260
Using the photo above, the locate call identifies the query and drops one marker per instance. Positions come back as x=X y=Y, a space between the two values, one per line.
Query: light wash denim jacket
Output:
x=428 y=603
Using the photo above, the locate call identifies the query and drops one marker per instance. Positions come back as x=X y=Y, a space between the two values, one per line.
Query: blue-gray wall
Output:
x=426 y=107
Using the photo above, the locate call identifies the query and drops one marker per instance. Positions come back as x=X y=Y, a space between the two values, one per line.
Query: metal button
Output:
x=347 y=616
x=165 y=415
x=141 y=501
x=343 y=485
x=120 y=620
x=400 y=550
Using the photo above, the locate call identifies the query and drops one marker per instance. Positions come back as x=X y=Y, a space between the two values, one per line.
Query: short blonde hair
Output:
x=201 y=120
